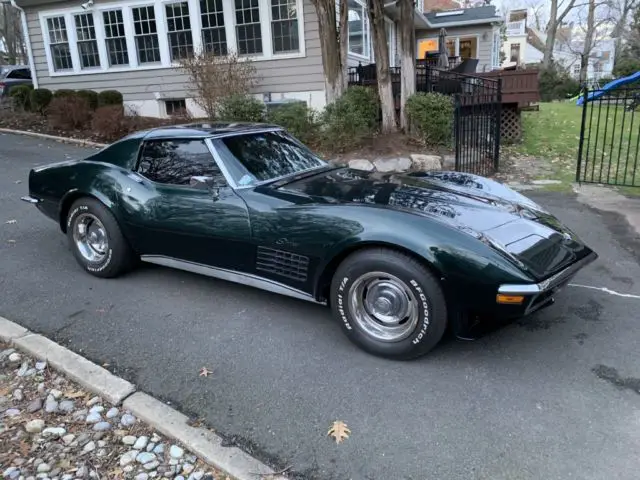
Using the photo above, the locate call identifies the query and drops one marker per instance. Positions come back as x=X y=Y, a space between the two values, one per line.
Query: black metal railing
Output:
x=477 y=113
x=609 y=147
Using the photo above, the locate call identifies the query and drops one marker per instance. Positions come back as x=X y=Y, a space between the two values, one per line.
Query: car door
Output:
x=180 y=206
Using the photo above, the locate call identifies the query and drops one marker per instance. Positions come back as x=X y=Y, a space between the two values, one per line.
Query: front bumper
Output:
x=541 y=294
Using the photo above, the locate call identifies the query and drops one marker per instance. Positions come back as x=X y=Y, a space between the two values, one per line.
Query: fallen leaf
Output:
x=339 y=431
x=11 y=222
x=18 y=182
x=76 y=394
x=12 y=242
x=205 y=372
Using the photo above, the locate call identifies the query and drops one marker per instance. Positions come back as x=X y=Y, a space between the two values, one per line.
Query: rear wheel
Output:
x=96 y=239
x=388 y=304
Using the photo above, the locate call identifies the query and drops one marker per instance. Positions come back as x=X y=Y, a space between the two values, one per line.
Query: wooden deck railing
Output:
x=518 y=86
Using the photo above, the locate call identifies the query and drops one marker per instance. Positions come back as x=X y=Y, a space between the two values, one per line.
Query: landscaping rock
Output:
x=129 y=439
x=34 y=426
x=425 y=163
x=449 y=162
x=51 y=405
x=34 y=405
x=361 y=164
x=141 y=442
x=102 y=426
x=546 y=182
x=128 y=457
x=53 y=432
x=15 y=357
x=385 y=165
x=176 y=452
x=93 y=417
x=66 y=406
x=127 y=420
x=112 y=413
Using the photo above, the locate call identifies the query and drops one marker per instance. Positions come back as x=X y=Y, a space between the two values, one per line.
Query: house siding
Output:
x=484 y=46
x=277 y=76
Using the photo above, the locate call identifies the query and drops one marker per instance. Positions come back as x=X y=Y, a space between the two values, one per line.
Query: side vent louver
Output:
x=282 y=263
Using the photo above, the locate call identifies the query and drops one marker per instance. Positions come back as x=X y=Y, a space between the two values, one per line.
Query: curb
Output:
x=75 y=141
x=168 y=421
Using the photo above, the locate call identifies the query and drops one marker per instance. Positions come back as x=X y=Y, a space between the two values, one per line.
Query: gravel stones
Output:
x=51 y=405
x=89 y=447
x=141 y=442
x=34 y=405
x=53 y=432
x=15 y=357
x=127 y=420
x=145 y=457
x=34 y=426
x=176 y=452
x=93 y=417
x=112 y=413
x=129 y=439
x=102 y=426
x=66 y=406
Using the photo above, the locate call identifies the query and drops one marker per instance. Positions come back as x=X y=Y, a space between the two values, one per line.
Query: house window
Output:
x=175 y=107
x=358 y=29
x=86 y=38
x=115 y=38
x=248 y=31
x=284 y=26
x=468 y=48
x=214 y=37
x=452 y=45
x=515 y=53
x=179 y=28
x=59 y=44
x=146 y=34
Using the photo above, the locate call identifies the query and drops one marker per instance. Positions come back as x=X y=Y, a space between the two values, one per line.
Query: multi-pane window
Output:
x=284 y=26
x=146 y=34
x=115 y=38
x=358 y=28
x=214 y=37
x=179 y=28
x=248 y=31
x=59 y=44
x=87 y=43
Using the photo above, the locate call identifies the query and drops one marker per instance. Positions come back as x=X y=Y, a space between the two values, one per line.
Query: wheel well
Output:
x=324 y=282
x=65 y=206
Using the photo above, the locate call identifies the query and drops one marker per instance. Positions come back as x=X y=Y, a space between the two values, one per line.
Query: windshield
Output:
x=259 y=157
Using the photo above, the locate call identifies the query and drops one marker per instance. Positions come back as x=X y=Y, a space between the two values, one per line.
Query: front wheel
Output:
x=96 y=239
x=389 y=304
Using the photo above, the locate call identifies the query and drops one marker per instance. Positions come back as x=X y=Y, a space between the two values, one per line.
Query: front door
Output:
x=184 y=209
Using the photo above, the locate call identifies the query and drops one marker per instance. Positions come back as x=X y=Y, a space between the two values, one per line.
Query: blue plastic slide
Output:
x=618 y=82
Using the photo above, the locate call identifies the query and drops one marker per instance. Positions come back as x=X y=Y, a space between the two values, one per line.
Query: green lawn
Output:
x=552 y=135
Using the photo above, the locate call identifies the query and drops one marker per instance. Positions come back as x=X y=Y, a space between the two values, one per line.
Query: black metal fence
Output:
x=477 y=101
x=609 y=147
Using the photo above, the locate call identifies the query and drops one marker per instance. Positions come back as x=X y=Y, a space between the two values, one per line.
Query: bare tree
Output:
x=11 y=35
x=383 y=76
x=407 y=57
x=332 y=46
x=559 y=10
x=620 y=11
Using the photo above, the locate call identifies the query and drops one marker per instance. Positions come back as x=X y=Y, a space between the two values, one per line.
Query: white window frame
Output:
x=163 y=37
x=367 y=31
x=496 y=48
x=299 y=21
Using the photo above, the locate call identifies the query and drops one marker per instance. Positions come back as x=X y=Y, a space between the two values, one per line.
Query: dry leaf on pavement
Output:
x=11 y=222
x=205 y=372
x=339 y=431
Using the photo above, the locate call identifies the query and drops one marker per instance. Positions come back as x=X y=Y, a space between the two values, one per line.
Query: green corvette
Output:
x=398 y=258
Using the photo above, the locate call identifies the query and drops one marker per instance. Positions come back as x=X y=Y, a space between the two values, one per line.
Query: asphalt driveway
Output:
x=552 y=397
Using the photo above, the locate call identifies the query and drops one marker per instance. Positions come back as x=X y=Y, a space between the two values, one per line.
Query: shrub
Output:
x=298 y=119
x=241 y=108
x=91 y=96
x=39 y=99
x=215 y=77
x=69 y=112
x=109 y=97
x=110 y=123
x=64 y=92
x=556 y=84
x=431 y=117
x=20 y=95
x=351 y=118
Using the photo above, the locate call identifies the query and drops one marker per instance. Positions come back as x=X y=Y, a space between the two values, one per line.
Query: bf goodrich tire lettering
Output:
x=401 y=284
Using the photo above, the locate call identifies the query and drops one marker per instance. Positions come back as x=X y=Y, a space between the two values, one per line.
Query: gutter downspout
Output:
x=27 y=41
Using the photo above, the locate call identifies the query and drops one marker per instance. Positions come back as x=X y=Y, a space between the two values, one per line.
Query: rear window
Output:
x=21 y=73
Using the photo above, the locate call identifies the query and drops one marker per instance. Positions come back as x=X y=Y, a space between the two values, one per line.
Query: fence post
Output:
x=456 y=130
x=585 y=96
x=496 y=153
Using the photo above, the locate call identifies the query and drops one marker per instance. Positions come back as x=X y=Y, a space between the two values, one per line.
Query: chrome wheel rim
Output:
x=90 y=237
x=383 y=306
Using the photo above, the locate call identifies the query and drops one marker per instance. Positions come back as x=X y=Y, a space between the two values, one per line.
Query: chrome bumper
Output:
x=551 y=282
x=30 y=199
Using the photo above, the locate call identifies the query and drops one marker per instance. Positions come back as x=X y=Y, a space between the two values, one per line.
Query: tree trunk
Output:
x=331 y=61
x=383 y=76
x=407 y=58
x=588 y=42
x=344 y=39
x=552 y=28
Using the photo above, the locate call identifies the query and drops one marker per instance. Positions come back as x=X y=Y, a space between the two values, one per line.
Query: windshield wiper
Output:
x=279 y=182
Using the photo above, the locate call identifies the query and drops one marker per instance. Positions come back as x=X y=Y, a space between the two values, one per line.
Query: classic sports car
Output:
x=397 y=257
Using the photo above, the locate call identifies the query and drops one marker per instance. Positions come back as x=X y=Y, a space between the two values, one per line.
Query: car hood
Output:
x=495 y=214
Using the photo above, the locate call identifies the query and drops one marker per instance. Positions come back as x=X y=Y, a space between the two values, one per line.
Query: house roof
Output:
x=464 y=16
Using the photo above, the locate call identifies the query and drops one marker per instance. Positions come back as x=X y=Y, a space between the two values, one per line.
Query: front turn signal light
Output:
x=510 y=299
